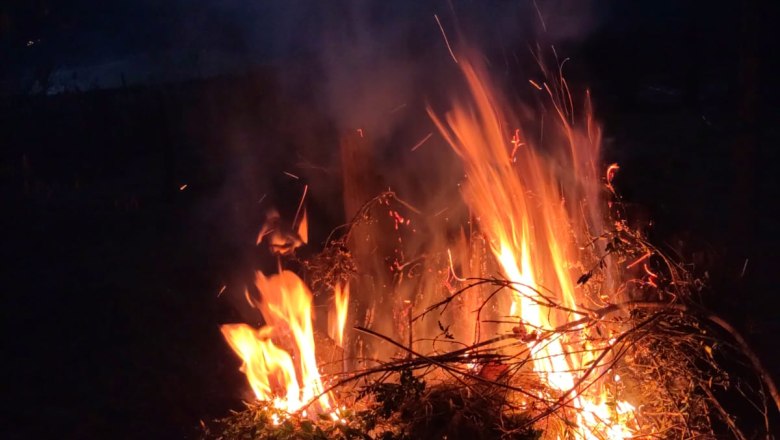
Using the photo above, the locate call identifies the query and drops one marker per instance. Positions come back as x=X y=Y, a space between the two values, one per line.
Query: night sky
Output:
x=154 y=41
x=110 y=273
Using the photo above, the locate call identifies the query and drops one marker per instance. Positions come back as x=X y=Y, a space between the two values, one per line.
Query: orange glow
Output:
x=537 y=206
x=338 y=317
x=644 y=257
x=611 y=170
x=303 y=224
x=286 y=376
x=267 y=367
x=519 y=197
x=303 y=228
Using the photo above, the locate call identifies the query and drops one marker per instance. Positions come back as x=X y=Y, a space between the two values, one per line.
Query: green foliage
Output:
x=256 y=423
x=401 y=410
x=390 y=396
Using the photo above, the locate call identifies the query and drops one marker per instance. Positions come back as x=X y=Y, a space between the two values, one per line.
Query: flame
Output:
x=280 y=238
x=338 y=319
x=518 y=197
x=267 y=367
x=288 y=378
x=536 y=209
x=303 y=228
x=303 y=225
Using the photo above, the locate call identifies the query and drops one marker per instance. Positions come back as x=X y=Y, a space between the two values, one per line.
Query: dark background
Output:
x=110 y=272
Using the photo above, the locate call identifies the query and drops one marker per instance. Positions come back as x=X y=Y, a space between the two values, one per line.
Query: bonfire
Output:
x=533 y=311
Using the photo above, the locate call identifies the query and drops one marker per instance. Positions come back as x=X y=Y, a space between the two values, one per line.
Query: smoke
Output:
x=348 y=66
x=366 y=59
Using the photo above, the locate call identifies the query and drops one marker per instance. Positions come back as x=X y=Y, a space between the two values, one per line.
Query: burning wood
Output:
x=560 y=319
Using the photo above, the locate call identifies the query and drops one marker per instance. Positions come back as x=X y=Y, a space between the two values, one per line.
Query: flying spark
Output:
x=424 y=140
x=446 y=41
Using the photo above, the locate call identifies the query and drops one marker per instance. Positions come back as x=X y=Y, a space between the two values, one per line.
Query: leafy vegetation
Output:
x=405 y=409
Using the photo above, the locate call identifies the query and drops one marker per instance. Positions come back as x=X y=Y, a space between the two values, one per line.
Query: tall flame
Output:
x=288 y=378
x=518 y=198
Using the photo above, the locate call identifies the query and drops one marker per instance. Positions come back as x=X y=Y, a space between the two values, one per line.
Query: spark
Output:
x=183 y=187
x=535 y=84
x=291 y=175
x=406 y=204
x=398 y=108
x=441 y=212
x=744 y=268
x=360 y=132
x=446 y=41
x=541 y=19
x=222 y=290
x=424 y=140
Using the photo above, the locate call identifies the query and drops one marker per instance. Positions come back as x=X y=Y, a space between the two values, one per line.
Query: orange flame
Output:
x=289 y=378
x=519 y=199
x=338 y=319
x=267 y=367
x=303 y=225
x=303 y=228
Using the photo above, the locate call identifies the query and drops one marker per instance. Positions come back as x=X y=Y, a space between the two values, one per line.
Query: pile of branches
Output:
x=399 y=407
x=682 y=367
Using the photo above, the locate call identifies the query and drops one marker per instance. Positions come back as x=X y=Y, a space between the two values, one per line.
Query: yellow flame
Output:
x=267 y=367
x=517 y=195
x=289 y=378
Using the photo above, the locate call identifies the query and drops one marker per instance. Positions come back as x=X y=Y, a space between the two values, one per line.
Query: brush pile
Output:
x=683 y=369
